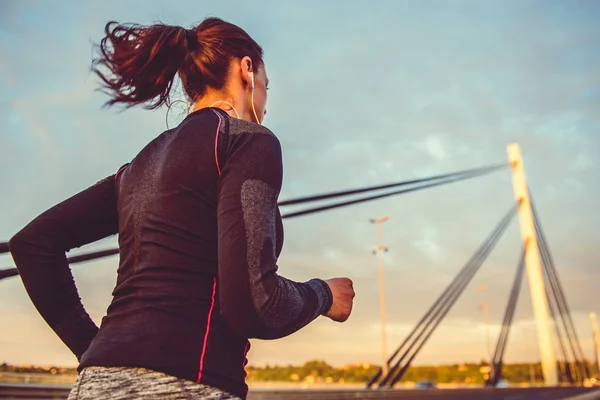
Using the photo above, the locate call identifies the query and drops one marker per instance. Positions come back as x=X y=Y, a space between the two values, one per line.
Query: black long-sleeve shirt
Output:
x=199 y=236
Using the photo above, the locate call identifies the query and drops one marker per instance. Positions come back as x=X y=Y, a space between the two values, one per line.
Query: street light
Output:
x=378 y=250
x=484 y=309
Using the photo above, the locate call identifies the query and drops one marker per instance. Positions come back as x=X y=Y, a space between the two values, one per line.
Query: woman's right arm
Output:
x=254 y=299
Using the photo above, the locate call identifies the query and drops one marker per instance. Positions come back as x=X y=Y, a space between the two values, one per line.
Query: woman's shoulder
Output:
x=228 y=124
x=249 y=135
x=241 y=127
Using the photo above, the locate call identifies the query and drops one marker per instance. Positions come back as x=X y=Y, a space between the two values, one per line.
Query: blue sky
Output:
x=361 y=94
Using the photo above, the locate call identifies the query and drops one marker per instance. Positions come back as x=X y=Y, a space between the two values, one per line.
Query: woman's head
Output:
x=216 y=60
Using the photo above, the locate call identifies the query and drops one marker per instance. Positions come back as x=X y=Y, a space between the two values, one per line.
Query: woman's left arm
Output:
x=39 y=254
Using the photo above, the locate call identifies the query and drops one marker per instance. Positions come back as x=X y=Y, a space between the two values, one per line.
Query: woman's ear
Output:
x=247 y=71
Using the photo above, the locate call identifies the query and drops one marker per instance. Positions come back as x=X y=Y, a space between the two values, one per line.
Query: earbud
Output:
x=251 y=74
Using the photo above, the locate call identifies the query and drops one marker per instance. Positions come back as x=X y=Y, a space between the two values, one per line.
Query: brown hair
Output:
x=142 y=61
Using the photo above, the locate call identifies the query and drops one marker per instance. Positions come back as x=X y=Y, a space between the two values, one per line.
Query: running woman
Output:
x=198 y=226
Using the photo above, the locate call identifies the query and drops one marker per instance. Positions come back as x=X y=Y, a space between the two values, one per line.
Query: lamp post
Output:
x=378 y=250
x=484 y=309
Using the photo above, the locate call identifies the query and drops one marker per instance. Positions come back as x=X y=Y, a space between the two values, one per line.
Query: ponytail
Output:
x=141 y=61
x=137 y=64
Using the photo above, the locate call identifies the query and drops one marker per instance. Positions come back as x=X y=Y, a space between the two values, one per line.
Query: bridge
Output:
x=34 y=392
x=565 y=375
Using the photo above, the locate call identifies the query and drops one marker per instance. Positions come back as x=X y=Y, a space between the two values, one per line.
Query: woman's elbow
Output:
x=27 y=242
x=19 y=243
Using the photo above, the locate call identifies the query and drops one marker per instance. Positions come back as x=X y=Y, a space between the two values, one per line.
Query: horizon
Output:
x=340 y=366
x=359 y=96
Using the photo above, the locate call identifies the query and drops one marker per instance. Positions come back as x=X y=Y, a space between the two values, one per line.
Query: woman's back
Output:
x=166 y=201
x=165 y=313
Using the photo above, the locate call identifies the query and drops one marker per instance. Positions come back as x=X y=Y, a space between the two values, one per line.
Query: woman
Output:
x=198 y=224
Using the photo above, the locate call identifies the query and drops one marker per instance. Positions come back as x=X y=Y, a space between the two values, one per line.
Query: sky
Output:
x=361 y=94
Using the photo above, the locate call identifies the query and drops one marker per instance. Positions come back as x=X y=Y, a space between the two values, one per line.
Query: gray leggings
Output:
x=123 y=383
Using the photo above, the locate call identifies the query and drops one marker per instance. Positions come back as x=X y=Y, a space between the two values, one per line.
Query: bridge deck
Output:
x=44 y=392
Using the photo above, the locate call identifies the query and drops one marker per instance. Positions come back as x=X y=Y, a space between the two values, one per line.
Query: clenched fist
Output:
x=343 y=297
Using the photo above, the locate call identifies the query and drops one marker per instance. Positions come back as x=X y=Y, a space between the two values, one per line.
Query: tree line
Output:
x=320 y=371
x=470 y=373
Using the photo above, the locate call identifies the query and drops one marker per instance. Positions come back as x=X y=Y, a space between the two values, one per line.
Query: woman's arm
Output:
x=39 y=254
x=254 y=299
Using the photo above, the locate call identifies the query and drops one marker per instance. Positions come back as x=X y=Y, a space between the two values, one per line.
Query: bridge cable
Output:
x=394 y=193
x=563 y=309
x=441 y=180
x=496 y=362
x=6 y=273
x=448 y=296
x=434 y=310
x=345 y=193
x=563 y=363
x=476 y=266
x=454 y=176
x=559 y=294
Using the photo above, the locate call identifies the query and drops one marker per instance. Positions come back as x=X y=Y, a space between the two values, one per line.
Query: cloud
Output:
x=434 y=148
x=429 y=248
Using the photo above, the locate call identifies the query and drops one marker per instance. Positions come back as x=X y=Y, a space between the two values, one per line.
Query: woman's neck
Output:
x=224 y=101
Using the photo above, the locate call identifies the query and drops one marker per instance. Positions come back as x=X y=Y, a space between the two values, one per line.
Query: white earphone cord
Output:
x=252 y=100
x=229 y=104
x=252 y=97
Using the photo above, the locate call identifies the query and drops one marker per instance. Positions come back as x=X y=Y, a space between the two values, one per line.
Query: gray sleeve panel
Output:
x=255 y=300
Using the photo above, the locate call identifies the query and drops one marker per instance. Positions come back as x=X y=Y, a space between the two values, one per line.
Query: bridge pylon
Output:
x=534 y=268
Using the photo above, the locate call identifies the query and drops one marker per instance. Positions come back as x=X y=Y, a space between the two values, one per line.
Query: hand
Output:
x=343 y=295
